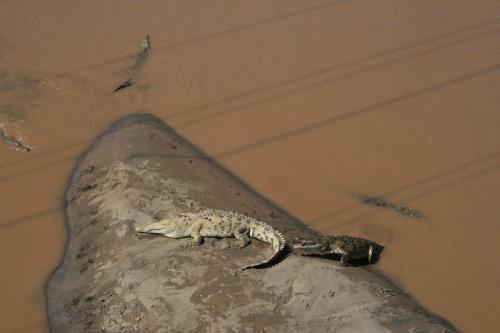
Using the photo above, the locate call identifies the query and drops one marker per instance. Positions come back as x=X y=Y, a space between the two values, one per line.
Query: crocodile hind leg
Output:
x=344 y=256
x=241 y=235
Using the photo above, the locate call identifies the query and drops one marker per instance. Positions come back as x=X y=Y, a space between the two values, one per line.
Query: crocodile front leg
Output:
x=197 y=237
x=344 y=256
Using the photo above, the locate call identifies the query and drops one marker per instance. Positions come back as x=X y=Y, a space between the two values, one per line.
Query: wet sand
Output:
x=307 y=101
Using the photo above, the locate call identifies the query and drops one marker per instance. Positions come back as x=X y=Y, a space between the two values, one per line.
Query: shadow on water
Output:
x=277 y=18
x=310 y=127
x=316 y=84
x=265 y=88
x=213 y=35
x=362 y=111
x=303 y=129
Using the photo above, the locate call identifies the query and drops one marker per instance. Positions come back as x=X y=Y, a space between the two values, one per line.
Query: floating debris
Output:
x=381 y=202
x=13 y=142
x=139 y=62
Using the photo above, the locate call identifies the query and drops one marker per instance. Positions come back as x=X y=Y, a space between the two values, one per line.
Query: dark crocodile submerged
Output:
x=13 y=142
x=377 y=201
x=140 y=58
x=350 y=249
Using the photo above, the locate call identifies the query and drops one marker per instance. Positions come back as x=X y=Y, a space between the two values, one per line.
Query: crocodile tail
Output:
x=267 y=234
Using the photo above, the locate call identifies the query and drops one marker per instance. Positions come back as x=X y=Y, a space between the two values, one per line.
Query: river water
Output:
x=310 y=102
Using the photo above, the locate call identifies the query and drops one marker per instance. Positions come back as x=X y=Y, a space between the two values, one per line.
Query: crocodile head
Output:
x=162 y=228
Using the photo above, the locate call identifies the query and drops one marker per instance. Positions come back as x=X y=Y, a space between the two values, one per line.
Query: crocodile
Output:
x=349 y=248
x=377 y=201
x=13 y=142
x=140 y=58
x=220 y=224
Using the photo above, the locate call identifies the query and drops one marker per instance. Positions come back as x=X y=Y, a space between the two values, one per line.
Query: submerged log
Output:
x=113 y=279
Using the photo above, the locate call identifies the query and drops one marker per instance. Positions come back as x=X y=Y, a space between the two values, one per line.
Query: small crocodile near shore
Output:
x=347 y=247
x=219 y=224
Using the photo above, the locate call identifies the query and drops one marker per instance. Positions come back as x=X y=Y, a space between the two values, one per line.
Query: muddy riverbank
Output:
x=114 y=279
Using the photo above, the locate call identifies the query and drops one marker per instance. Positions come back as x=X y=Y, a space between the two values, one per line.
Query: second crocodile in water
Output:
x=219 y=224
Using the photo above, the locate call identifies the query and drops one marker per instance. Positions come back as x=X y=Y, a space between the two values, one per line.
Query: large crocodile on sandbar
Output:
x=219 y=224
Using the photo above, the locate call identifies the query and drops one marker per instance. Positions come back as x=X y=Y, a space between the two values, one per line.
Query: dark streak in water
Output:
x=383 y=203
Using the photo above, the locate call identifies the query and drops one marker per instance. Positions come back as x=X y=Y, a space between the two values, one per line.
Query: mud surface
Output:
x=113 y=279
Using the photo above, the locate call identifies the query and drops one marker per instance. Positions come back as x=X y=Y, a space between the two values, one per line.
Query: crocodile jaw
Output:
x=308 y=246
x=156 y=228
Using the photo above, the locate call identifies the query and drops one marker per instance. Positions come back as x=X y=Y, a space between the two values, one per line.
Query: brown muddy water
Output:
x=308 y=101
